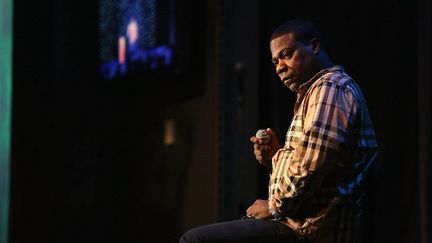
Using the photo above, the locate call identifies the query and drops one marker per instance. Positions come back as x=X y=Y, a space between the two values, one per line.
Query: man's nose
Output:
x=281 y=67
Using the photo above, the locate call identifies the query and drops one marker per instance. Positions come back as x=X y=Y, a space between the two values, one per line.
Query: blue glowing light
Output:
x=136 y=36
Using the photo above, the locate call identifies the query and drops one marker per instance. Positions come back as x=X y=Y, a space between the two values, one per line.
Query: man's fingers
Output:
x=262 y=147
x=254 y=139
x=261 y=151
x=257 y=153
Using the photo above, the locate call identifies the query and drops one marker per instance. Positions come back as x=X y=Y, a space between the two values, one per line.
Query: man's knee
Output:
x=190 y=236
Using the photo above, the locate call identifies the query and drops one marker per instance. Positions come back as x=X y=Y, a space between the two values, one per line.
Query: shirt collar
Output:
x=304 y=87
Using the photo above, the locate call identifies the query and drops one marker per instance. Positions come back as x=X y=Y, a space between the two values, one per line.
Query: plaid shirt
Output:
x=328 y=148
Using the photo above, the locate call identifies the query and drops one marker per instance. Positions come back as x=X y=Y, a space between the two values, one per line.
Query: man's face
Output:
x=293 y=60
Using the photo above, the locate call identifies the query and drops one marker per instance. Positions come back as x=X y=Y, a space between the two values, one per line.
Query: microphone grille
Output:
x=264 y=135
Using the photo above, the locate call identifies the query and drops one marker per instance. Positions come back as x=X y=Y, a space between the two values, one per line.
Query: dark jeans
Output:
x=242 y=230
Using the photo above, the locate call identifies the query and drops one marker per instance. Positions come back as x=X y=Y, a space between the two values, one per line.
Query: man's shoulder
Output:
x=337 y=81
x=336 y=77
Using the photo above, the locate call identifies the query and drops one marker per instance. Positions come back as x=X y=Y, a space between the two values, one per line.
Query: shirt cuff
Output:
x=273 y=211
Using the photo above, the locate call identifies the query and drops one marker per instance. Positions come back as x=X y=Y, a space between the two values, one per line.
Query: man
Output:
x=316 y=178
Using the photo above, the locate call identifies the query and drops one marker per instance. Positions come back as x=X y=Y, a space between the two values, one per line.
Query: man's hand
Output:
x=259 y=210
x=264 y=152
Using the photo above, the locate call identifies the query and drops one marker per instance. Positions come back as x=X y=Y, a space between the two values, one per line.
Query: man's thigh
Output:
x=242 y=230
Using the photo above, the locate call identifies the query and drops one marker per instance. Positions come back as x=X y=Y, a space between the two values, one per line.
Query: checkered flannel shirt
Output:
x=327 y=150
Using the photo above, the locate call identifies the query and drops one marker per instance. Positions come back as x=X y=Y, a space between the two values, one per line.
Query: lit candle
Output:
x=121 y=49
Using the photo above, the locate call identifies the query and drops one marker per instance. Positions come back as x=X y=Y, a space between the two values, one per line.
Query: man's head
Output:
x=297 y=53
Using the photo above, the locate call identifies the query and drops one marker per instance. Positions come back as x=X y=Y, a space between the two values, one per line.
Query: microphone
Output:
x=265 y=137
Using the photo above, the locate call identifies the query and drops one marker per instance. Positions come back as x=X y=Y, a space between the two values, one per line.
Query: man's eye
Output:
x=286 y=54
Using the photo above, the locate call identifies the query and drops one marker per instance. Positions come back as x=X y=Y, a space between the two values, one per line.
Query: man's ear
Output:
x=316 y=45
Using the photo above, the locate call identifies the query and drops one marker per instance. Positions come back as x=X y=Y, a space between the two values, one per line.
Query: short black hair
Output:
x=303 y=30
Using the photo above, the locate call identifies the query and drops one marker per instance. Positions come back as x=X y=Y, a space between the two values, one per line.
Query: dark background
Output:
x=88 y=159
